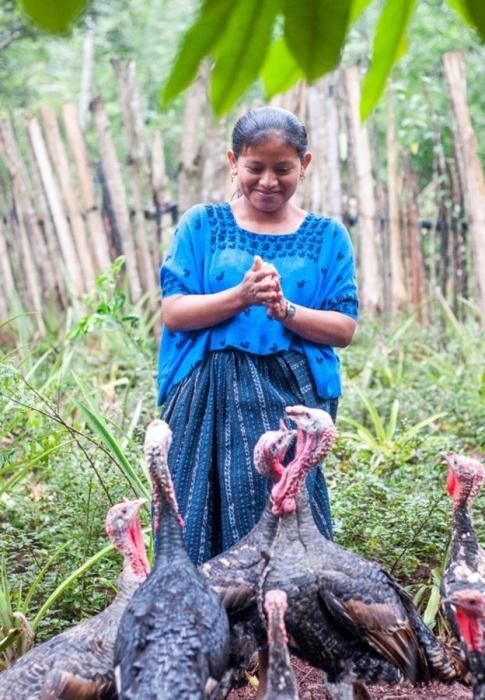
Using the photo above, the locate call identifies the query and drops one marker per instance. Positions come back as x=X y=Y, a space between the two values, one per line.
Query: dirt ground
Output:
x=311 y=687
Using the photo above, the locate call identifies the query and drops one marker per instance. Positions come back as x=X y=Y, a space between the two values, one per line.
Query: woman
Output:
x=255 y=294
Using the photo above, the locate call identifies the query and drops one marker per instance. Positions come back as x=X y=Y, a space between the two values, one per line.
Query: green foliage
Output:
x=280 y=70
x=315 y=32
x=54 y=16
x=389 y=45
x=241 y=51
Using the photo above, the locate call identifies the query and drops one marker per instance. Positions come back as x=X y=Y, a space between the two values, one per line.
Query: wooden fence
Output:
x=72 y=201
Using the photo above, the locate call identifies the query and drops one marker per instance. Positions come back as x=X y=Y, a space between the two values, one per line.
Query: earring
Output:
x=302 y=176
x=233 y=175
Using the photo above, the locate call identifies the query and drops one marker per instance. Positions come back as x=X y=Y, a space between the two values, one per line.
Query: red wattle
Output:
x=470 y=630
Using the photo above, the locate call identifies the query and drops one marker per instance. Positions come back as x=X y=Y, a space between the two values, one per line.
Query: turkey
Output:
x=78 y=663
x=234 y=574
x=469 y=608
x=345 y=615
x=281 y=683
x=466 y=566
x=173 y=638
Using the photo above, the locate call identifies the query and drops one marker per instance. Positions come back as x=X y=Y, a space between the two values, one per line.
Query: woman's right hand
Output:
x=261 y=284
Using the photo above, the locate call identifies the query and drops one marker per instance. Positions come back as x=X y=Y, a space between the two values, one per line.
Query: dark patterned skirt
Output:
x=217 y=413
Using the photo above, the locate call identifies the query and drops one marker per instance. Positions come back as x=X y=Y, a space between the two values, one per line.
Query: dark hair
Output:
x=252 y=129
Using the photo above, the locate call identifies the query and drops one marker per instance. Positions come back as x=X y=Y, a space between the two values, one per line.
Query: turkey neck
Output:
x=281 y=681
x=167 y=531
x=464 y=543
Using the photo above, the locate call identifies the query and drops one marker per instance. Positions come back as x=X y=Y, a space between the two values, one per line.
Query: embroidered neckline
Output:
x=301 y=227
x=226 y=234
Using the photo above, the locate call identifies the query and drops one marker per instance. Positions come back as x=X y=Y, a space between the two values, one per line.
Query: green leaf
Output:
x=429 y=615
x=388 y=45
x=315 y=32
x=357 y=8
x=241 y=53
x=472 y=11
x=54 y=16
x=197 y=43
x=99 y=427
x=280 y=70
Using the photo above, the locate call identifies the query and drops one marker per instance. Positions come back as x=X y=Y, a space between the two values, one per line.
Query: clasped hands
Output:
x=261 y=285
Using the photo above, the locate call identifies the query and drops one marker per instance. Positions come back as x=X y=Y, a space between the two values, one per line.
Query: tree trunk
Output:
x=318 y=170
x=190 y=161
x=114 y=182
x=470 y=170
x=370 y=290
x=398 y=286
x=91 y=212
x=146 y=264
x=215 y=168
x=332 y=159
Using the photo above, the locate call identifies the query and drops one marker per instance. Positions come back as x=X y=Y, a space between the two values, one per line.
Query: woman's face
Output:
x=269 y=173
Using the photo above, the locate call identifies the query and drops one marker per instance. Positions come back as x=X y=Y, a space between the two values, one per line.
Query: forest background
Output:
x=77 y=367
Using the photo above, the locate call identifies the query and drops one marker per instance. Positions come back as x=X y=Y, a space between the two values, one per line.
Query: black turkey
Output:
x=346 y=615
x=466 y=565
x=173 y=639
x=234 y=574
x=78 y=663
x=281 y=682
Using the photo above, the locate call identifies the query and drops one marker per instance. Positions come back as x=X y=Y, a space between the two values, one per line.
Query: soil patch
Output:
x=312 y=687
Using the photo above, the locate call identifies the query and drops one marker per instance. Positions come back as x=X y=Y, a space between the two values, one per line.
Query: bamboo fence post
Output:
x=91 y=212
x=416 y=267
x=334 y=180
x=7 y=282
x=134 y=104
x=66 y=243
x=158 y=188
x=460 y=276
x=470 y=169
x=54 y=253
x=370 y=285
x=398 y=286
x=21 y=189
x=114 y=181
x=60 y=164
x=32 y=280
x=145 y=262
x=89 y=50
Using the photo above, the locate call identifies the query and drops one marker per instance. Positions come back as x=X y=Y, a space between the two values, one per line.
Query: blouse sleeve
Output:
x=340 y=287
x=181 y=271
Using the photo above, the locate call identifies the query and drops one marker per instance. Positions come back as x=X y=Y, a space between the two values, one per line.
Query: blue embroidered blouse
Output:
x=210 y=253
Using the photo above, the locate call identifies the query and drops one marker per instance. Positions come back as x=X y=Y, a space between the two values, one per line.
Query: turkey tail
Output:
x=444 y=663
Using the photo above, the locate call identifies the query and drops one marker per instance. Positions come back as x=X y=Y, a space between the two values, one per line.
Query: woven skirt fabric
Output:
x=217 y=413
